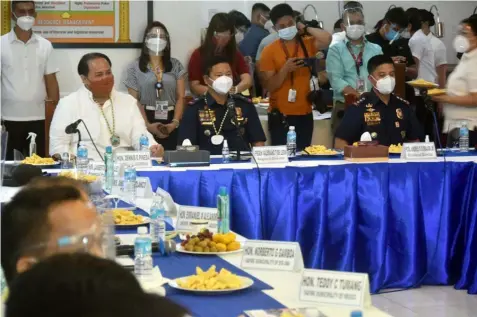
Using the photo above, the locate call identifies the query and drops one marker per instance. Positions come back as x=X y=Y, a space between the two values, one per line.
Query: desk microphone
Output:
x=231 y=109
x=73 y=128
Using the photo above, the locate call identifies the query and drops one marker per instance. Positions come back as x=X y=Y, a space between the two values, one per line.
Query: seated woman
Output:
x=460 y=102
x=219 y=40
x=157 y=81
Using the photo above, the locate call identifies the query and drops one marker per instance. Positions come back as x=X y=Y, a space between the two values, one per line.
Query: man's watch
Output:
x=177 y=122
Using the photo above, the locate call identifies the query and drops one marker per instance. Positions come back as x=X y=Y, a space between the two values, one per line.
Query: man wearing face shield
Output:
x=260 y=28
x=48 y=216
x=218 y=116
x=28 y=76
x=385 y=116
x=113 y=117
x=346 y=63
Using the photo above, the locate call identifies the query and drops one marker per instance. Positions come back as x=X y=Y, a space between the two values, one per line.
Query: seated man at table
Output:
x=112 y=117
x=50 y=215
x=219 y=116
x=388 y=118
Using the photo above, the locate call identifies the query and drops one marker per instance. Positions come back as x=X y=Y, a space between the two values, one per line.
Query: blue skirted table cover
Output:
x=404 y=224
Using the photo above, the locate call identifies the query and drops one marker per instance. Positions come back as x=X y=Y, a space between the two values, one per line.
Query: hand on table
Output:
x=157 y=150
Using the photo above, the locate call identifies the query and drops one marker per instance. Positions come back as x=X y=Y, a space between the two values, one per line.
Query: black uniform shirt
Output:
x=399 y=47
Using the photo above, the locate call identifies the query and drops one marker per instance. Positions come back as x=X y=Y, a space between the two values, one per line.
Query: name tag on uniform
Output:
x=162 y=110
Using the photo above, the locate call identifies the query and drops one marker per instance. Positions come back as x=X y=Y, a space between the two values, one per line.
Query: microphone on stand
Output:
x=73 y=128
x=231 y=108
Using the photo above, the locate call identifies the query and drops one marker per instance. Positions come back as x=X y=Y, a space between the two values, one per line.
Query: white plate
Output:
x=246 y=283
x=182 y=250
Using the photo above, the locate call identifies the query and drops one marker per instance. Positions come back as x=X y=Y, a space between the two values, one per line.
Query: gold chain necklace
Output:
x=115 y=140
x=213 y=123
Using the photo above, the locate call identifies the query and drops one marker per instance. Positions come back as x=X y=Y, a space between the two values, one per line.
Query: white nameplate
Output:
x=335 y=288
x=143 y=187
x=138 y=159
x=272 y=255
x=96 y=168
x=187 y=215
x=270 y=154
x=418 y=151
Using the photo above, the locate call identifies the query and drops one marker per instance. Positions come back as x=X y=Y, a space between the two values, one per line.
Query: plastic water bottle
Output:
x=82 y=160
x=291 y=142
x=225 y=152
x=223 y=208
x=109 y=168
x=158 y=223
x=143 y=254
x=464 y=137
x=144 y=143
x=129 y=184
x=356 y=313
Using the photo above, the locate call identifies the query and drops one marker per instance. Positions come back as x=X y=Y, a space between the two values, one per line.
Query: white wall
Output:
x=184 y=19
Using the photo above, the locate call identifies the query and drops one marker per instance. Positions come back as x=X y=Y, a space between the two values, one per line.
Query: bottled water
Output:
x=158 y=224
x=291 y=142
x=109 y=168
x=143 y=254
x=223 y=208
x=225 y=152
x=144 y=143
x=129 y=184
x=464 y=137
x=82 y=160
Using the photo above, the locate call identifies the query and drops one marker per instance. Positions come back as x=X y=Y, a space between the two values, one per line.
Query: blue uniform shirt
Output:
x=251 y=41
x=393 y=123
x=204 y=113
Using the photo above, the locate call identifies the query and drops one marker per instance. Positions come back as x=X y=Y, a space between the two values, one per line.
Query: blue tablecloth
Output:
x=401 y=223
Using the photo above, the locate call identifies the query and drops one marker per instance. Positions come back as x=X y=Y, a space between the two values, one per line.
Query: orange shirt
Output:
x=272 y=59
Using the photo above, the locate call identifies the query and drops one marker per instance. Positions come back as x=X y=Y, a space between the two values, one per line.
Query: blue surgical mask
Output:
x=392 y=34
x=288 y=33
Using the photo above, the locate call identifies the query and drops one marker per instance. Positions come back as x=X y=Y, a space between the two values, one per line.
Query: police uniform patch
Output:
x=399 y=113
x=403 y=100
x=207 y=132
x=374 y=135
x=370 y=110
x=403 y=134
x=397 y=124
x=369 y=105
x=372 y=118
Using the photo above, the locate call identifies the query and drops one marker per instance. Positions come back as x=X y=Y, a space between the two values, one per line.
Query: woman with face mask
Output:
x=157 y=81
x=460 y=102
x=219 y=41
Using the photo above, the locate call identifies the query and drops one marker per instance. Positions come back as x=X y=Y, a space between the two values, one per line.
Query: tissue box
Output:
x=366 y=152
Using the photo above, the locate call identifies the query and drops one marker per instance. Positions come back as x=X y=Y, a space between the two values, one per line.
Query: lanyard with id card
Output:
x=292 y=91
x=161 y=112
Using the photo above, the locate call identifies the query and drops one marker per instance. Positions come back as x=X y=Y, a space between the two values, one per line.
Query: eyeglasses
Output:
x=224 y=34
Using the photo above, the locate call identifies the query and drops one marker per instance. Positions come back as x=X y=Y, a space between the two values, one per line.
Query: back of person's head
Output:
x=81 y=285
x=240 y=21
x=260 y=8
x=25 y=220
x=337 y=25
x=415 y=19
x=397 y=16
x=378 y=60
x=427 y=17
x=280 y=11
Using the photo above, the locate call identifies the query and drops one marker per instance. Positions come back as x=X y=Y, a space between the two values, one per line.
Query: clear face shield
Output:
x=353 y=20
x=156 y=41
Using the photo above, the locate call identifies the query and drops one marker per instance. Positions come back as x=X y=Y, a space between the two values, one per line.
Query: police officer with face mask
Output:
x=218 y=115
x=388 y=118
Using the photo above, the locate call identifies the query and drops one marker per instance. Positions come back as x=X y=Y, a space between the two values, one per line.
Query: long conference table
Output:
x=403 y=223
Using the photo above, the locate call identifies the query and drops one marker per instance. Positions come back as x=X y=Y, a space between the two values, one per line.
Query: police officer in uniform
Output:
x=388 y=118
x=219 y=116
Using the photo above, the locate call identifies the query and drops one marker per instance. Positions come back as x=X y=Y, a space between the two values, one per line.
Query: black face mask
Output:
x=459 y=55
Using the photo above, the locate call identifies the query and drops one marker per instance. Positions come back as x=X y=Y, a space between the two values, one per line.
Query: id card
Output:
x=360 y=85
x=162 y=110
x=292 y=95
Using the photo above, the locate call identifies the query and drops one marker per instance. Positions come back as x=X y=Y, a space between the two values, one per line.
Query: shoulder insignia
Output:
x=359 y=102
x=402 y=99
x=195 y=100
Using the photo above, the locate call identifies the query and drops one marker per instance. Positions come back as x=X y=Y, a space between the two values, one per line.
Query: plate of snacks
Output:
x=319 y=150
x=127 y=218
x=79 y=176
x=208 y=243
x=421 y=83
x=395 y=149
x=40 y=161
x=436 y=92
x=211 y=282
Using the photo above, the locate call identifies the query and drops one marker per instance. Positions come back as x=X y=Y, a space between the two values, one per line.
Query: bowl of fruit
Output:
x=208 y=243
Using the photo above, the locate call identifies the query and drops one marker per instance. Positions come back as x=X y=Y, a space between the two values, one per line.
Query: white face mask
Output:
x=25 y=23
x=222 y=85
x=355 y=31
x=268 y=25
x=461 y=44
x=406 y=34
x=288 y=34
x=385 y=85
x=156 y=45
x=239 y=37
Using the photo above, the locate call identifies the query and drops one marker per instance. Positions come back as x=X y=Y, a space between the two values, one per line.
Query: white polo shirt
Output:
x=129 y=123
x=440 y=50
x=23 y=68
x=421 y=48
x=462 y=81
